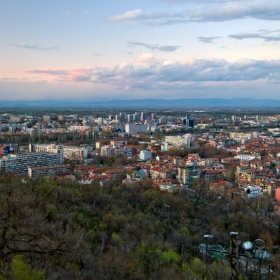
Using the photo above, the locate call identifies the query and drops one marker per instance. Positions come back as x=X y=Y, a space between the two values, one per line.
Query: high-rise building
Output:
x=188 y=122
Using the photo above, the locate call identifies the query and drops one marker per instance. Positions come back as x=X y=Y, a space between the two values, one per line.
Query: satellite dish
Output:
x=259 y=244
x=248 y=246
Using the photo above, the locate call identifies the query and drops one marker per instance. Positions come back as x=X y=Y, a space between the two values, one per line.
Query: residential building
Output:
x=188 y=173
x=248 y=156
x=108 y=150
x=126 y=151
x=145 y=155
x=101 y=142
x=67 y=152
x=250 y=175
x=177 y=141
x=238 y=136
x=118 y=142
x=74 y=153
x=37 y=172
x=34 y=132
x=15 y=118
x=46 y=118
x=20 y=163
x=135 y=128
x=212 y=175
x=159 y=173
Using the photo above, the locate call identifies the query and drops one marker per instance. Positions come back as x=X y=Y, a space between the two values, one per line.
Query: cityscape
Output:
x=140 y=140
x=211 y=157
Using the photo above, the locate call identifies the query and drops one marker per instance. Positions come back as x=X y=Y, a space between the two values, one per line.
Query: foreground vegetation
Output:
x=60 y=230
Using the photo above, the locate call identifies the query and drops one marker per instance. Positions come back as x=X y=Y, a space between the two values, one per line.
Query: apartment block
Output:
x=74 y=153
x=67 y=152
x=187 y=173
x=20 y=163
x=46 y=118
x=51 y=171
x=145 y=155
x=212 y=175
x=135 y=128
x=159 y=173
x=251 y=175
x=108 y=150
x=177 y=141
x=118 y=142
x=15 y=118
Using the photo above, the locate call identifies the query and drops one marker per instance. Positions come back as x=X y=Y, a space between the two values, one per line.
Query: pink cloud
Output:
x=144 y=57
x=63 y=74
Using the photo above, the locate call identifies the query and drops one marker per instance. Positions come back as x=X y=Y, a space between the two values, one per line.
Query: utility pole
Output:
x=233 y=256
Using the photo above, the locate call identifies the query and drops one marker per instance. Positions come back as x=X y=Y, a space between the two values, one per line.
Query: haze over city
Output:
x=103 y=50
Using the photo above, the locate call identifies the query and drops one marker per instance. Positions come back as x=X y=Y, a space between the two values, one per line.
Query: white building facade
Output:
x=135 y=128
x=145 y=155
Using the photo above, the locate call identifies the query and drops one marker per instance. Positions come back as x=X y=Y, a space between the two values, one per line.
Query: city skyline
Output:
x=139 y=49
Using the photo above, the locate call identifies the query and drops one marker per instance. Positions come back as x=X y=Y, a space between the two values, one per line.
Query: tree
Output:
x=22 y=271
x=28 y=223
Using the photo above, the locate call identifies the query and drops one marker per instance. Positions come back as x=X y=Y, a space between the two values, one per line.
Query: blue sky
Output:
x=103 y=50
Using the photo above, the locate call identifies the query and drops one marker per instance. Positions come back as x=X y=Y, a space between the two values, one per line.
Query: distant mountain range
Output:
x=150 y=103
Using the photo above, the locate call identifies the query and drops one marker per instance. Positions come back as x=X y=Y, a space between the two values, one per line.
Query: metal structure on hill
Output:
x=247 y=255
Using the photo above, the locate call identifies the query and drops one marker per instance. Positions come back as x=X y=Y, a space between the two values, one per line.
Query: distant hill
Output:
x=150 y=103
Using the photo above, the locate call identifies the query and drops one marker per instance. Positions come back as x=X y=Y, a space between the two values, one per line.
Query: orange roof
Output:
x=85 y=167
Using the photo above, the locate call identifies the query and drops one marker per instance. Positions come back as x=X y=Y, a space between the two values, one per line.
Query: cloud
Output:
x=192 y=1
x=21 y=81
x=35 y=47
x=236 y=10
x=207 y=39
x=141 y=15
x=144 y=57
x=61 y=74
x=149 y=74
x=208 y=11
x=98 y=54
x=262 y=35
x=154 y=47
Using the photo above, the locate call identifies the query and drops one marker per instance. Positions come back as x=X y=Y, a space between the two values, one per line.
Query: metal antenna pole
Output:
x=207 y=237
x=233 y=255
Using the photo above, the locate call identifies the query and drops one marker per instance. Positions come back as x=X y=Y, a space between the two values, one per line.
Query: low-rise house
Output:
x=119 y=142
x=116 y=173
x=126 y=151
x=156 y=173
x=169 y=187
x=138 y=173
x=220 y=187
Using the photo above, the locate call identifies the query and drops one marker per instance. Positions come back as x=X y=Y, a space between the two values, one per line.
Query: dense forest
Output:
x=63 y=230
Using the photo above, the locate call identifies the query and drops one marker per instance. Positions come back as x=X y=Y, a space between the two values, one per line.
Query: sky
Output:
x=131 y=49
